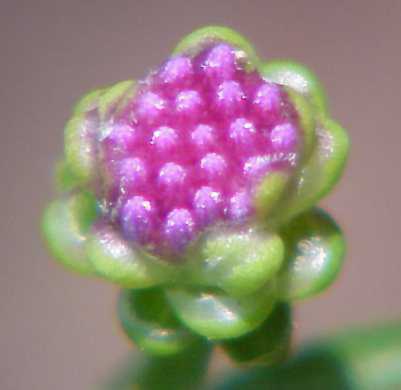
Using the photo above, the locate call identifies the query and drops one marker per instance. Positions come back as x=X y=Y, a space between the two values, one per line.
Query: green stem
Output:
x=183 y=371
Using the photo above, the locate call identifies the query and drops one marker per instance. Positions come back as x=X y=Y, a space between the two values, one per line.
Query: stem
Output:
x=183 y=371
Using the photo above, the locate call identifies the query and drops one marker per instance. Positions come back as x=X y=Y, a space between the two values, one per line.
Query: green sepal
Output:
x=238 y=262
x=268 y=344
x=115 y=260
x=306 y=119
x=315 y=251
x=114 y=98
x=321 y=171
x=65 y=226
x=149 y=322
x=198 y=39
x=269 y=192
x=216 y=315
x=65 y=179
x=79 y=146
x=299 y=78
x=88 y=102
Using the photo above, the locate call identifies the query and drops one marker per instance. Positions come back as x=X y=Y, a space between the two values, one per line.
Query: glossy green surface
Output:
x=315 y=252
x=238 y=262
x=216 y=315
x=115 y=260
x=299 y=78
x=268 y=344
x=269 y=193
x=148 y=321
x=321 y=171
x=65 y=226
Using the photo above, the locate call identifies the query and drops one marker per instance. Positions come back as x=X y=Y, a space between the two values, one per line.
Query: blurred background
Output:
x=58 y=330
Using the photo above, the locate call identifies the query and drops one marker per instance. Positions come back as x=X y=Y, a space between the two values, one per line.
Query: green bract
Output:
x=269 y=343
x=148 y=320
x=232 y=283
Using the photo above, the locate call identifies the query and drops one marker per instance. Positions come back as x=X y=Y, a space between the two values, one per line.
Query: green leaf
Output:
x=268 y=344
x=216 y=315
x=147 y=319
x=320 y=173
x=315 y=251
x=238 y=262
x=116 y=260
x=204 y=36
x=299 y=78
x=65 y=226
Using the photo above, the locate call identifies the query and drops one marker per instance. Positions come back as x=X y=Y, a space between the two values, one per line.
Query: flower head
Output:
x=198 y=176
x=190 y=148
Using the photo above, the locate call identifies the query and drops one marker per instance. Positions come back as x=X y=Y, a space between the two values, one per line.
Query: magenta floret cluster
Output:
x=192 y=146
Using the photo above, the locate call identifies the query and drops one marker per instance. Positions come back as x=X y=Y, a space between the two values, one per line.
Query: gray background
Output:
x=57 y=330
